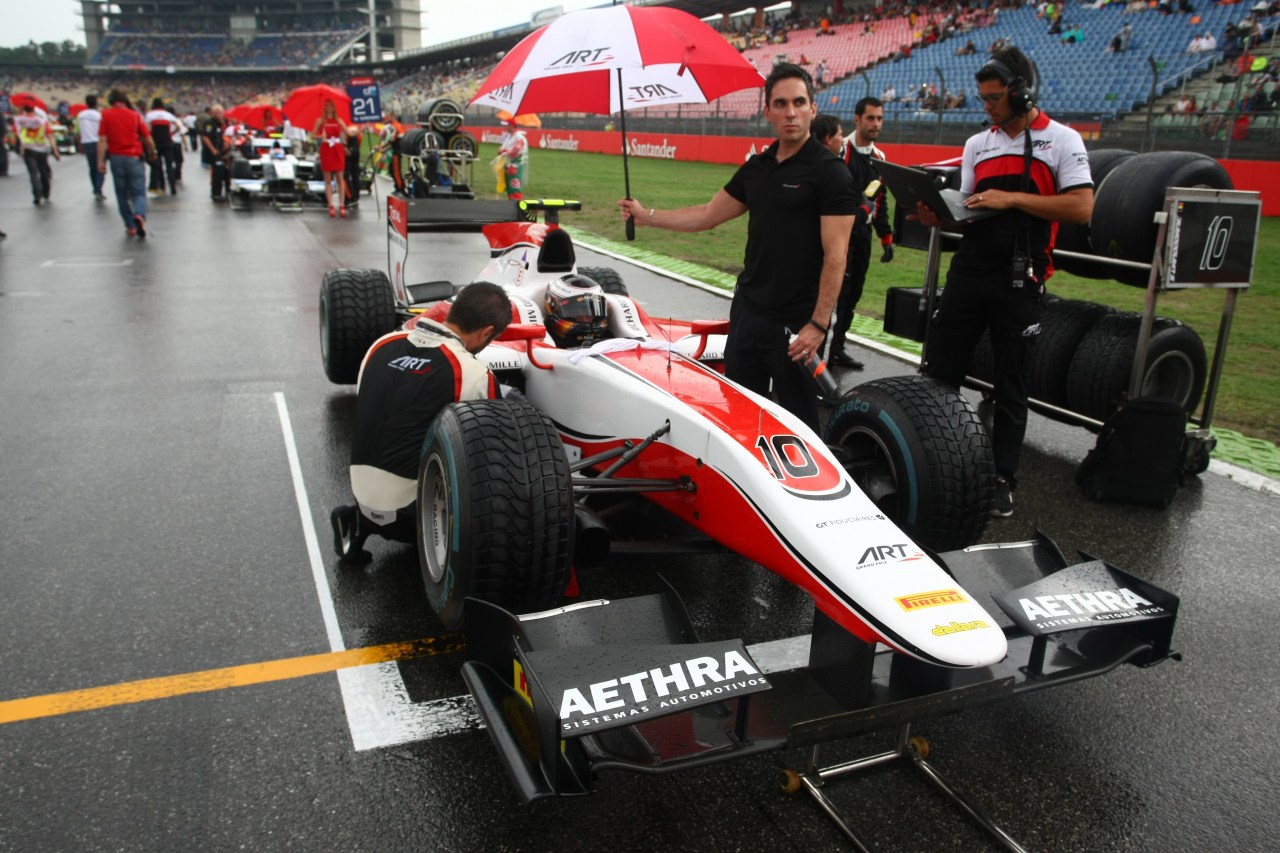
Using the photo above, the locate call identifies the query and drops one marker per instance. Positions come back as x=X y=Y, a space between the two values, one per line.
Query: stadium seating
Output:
x=1074 y=78
x=126 y=47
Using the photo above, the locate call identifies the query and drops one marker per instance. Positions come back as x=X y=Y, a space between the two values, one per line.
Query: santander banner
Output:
x=1245 y=174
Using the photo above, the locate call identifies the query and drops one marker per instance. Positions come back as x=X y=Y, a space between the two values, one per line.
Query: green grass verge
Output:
x=1251 y=376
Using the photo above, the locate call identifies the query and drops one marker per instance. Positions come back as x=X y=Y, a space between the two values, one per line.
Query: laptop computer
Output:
x=910 y=185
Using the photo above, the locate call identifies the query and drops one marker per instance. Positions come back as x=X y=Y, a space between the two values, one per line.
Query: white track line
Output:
x=379 y=711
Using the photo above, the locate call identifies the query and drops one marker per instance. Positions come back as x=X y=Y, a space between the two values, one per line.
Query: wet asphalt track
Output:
x=150 y=528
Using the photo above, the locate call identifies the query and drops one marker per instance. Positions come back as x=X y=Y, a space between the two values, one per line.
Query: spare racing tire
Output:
x=441 y=115
x=241 y=169
x=495 y=509
x=356 y=308
x=463 y=141
x=1098 y=379
x=1074 y=236
x=982 y=364
x=1123 y=223
x=608 y=279
x=917 y=448
x=1065 y=323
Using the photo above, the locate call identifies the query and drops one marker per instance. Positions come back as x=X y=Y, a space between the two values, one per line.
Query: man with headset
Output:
x=1034 y=172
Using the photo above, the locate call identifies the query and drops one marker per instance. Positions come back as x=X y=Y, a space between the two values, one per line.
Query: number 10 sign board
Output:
x=1211 y=238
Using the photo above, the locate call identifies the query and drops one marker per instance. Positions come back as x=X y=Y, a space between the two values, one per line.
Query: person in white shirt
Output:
x=166 y=132
x=189 y=122
x=35 y=144
x=88 y=121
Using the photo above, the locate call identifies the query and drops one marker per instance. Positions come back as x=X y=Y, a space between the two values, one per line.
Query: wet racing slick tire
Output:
x=918 y=450
x=607 y=278
x=356 y=308
x=495 y=509
x=1074 y=236
x=1123 y=226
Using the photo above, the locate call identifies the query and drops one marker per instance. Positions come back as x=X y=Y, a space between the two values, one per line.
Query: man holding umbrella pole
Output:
x=803 y=205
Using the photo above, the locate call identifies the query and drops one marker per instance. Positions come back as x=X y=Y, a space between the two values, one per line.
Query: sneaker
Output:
x=347 y=540
x=142 y=226
x=132 y=232
x=1002 y=506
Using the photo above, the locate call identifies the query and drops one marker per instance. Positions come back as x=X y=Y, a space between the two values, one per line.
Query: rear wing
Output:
x=407 y=215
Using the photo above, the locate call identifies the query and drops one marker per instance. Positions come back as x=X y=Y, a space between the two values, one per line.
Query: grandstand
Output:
x=238 y=35
x=1082 y=79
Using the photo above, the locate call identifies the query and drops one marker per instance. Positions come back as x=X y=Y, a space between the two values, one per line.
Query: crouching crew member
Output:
x=406 y=379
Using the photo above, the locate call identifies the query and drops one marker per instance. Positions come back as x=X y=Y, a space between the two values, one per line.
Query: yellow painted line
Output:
x=146 y=690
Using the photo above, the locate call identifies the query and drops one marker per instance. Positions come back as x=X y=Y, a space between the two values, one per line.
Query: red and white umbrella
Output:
x=665 y=56
x=609 y=60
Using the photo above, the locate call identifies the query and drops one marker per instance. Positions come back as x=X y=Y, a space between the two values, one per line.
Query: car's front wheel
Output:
x=918 y=449
x=495 y=509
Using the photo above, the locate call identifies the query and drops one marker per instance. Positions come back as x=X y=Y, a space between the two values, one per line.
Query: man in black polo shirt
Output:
x=802 y=206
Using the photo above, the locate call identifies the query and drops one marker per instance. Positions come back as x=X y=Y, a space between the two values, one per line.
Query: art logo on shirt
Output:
x=411 y=364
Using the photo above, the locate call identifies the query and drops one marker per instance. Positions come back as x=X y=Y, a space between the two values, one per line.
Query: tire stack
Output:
x=440 y=129
x=1084 y=355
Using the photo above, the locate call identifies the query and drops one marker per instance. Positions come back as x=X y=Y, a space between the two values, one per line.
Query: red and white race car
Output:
x=873 y=520
x=854 y=518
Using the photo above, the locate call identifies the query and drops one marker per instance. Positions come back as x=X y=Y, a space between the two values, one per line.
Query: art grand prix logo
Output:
x=879 y=555
x=411 y=364
x=650 y=92
x=575 y=59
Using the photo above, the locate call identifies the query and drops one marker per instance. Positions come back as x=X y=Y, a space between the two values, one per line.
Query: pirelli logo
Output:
x=930 y=599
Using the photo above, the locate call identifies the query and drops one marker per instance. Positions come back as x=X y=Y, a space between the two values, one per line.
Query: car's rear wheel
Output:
x=495 y=509
x=608 y=279
x=918 y=450
x=356 y=308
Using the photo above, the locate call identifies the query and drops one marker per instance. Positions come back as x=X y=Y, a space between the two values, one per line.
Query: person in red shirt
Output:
x=123 y=140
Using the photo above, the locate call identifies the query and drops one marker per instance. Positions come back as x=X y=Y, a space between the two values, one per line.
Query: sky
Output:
x=443 y=20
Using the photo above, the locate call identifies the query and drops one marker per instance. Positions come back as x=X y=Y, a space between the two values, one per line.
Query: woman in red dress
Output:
x=330 y=131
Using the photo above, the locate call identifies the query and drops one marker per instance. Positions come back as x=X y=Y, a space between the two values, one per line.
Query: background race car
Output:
x=275 y=175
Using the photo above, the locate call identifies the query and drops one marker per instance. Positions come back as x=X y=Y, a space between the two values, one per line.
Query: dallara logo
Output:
x=936 y=598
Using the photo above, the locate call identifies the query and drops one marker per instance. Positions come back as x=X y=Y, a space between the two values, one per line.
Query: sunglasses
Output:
x=993 y=98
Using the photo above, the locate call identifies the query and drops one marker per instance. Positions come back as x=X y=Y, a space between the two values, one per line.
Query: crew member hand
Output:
x=632 y=209
x=990 y=200
x=925 y=216
x=888 y=253
x=808 y=341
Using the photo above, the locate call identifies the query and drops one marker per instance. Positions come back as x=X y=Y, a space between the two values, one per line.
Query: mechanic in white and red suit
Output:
x=406 y=379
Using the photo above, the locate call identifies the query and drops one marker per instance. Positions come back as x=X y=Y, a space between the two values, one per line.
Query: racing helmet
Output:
x=575 y=311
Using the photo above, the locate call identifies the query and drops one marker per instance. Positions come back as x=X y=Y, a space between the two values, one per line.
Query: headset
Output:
x=1022 y=97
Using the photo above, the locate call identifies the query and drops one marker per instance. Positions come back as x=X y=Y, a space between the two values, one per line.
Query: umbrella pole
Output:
x=626 y=170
